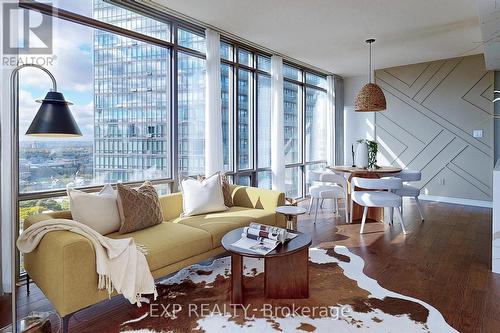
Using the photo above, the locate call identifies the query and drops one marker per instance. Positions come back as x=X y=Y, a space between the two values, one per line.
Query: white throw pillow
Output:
x=201 y=197
x=98 y=211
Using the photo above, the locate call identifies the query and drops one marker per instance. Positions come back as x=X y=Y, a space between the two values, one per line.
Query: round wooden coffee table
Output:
x=286 y=272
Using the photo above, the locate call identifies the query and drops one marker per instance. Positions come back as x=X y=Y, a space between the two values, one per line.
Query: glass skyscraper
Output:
x=132 y=113
x=131 y=118
x=132 y=139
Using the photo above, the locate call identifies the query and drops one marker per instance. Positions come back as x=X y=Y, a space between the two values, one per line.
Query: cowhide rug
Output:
x=342 y=299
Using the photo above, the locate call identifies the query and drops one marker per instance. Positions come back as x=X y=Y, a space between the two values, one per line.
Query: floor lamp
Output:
x=53 y=119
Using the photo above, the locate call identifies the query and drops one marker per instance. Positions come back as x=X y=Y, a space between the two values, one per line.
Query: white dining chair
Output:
x=408 y=190
x=380 y=194
x=328 y=185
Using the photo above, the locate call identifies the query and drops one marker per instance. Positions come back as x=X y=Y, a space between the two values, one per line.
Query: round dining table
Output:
x=374 y=213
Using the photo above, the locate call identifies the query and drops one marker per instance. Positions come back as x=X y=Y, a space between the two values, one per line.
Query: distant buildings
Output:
x=54 y=164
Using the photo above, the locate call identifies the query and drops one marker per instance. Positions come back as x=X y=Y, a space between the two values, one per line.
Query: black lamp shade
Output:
x=54 y=119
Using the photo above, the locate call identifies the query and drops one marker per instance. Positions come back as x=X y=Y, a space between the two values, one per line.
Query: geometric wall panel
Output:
x=432 y=110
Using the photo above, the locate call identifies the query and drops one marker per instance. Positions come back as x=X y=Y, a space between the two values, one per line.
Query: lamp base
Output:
x=35 y=322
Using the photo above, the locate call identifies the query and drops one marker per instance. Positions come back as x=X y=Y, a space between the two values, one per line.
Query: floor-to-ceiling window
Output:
x=191 y=70
x=304 y=107
x=138 y=85
x=246 y=95
x=244 y=119
x=263 y=130
x=315 y=123
x=226 y=70
x=131 y=123
x=292 y=122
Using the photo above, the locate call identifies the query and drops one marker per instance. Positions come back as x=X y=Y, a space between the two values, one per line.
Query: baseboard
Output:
x=458 y=201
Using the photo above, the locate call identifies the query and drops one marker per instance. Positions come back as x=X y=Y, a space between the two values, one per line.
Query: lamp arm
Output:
x=16 y=70
x=14 y=104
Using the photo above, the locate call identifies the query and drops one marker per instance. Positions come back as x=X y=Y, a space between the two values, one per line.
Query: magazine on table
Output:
x=275 y=233
x=262 y=239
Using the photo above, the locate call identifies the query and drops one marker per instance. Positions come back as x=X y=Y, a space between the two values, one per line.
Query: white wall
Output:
x=358 y=125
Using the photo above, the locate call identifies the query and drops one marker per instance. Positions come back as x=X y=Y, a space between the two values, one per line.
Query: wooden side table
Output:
x=286 y=268
x=291 y=213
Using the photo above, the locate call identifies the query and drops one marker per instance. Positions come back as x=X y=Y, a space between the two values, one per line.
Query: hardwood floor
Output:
x=443 y=261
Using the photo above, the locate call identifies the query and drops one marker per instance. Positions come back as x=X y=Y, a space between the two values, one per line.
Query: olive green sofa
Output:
x=63 y=265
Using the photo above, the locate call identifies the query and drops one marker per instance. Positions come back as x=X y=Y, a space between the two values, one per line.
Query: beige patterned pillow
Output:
x=226 y=190
x=139 y=208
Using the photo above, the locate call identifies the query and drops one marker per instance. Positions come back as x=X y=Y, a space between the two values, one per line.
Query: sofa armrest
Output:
x=29 y=221
x=63 y=266
x=253 y=197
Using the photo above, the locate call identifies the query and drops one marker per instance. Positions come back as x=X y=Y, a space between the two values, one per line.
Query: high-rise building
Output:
x=131 y=140
x=132 y=116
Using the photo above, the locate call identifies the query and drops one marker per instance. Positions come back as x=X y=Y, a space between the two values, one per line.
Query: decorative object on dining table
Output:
x=371 y=154
x=361 y=158
x=352 y=153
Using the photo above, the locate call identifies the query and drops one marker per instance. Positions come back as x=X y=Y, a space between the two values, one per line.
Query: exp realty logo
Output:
x=26 y=31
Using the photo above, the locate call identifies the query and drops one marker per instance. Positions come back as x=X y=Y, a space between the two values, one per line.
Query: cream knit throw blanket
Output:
x=121 y=264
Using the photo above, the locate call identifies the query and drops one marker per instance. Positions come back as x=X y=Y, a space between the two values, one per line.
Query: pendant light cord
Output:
x=370 y=63
x=370 y=42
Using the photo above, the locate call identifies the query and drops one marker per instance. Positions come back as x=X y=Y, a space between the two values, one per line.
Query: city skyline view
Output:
x=120 y=90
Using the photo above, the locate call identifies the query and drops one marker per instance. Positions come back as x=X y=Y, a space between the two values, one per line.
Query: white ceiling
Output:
x=330 y=34
x=489 y=13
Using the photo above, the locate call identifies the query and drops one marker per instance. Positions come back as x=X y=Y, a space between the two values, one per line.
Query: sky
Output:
x=72 y=68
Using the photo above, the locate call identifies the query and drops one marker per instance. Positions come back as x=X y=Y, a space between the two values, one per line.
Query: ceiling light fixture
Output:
x=370 y=98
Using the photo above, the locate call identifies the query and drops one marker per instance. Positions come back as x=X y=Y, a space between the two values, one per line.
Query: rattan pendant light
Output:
x=370 y=98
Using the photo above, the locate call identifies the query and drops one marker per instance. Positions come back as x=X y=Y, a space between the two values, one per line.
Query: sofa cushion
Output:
x=227 y=191
x=218 y=224
x=139 y=208
x=202 y=196
x=96 y=210
x=167 y=243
